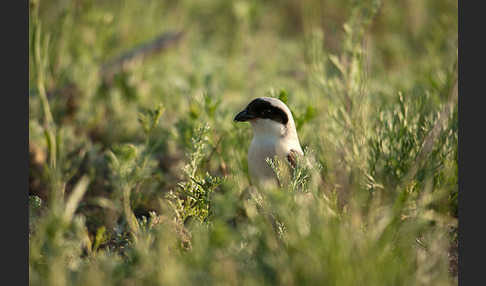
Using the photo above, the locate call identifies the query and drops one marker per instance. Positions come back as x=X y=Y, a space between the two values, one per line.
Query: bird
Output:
x=274 y=136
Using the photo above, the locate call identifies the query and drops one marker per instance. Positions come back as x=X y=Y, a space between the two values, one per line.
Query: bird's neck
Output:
x=268 y=128
x=270 y=133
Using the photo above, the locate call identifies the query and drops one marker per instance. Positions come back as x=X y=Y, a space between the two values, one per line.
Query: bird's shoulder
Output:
x=292 y=157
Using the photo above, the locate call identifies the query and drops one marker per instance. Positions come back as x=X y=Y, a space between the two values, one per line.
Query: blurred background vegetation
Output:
x=138 y=175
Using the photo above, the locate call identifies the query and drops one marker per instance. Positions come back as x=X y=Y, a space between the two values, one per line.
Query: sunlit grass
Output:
x=140 y=177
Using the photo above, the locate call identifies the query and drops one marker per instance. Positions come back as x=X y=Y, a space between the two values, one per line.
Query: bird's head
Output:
x=268 y=116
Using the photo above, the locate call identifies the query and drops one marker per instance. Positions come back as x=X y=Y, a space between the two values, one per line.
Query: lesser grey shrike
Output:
x=274 y=135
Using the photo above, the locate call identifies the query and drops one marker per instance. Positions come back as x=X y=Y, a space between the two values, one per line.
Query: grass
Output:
x=138 y=176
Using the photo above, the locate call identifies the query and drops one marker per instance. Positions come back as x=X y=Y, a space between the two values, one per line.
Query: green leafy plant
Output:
x=193 y=197
x=131 y=165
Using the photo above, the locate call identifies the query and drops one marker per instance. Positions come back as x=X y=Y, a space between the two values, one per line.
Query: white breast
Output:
x=260 y=172
x=269 y=140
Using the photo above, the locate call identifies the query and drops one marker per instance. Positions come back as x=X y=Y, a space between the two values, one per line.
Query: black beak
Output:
x=243 y=116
